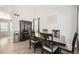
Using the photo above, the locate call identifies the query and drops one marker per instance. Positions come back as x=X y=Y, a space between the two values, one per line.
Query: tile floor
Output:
x=8 y=47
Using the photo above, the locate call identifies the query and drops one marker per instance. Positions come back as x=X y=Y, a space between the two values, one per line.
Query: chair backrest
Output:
x=48 y=40
x=74 y=41
x=32 y=33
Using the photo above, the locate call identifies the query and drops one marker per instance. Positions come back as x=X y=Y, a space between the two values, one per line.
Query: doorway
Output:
x=5 y=32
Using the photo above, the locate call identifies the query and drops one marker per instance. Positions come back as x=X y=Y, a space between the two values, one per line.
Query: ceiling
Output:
x=11 y=8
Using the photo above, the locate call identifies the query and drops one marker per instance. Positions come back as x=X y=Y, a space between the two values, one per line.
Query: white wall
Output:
x=25 y=13
x=78 y=28
x=4 y=15
x=66 y=17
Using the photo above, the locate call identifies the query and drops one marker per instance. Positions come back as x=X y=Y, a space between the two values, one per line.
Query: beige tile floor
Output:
x=8 y=47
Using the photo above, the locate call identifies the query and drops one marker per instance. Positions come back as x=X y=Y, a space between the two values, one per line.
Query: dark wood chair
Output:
x=65 y=49
x=47 y=44
x=34 y=41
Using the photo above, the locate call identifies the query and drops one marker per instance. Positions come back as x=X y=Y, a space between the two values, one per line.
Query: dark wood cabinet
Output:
x=25 y=29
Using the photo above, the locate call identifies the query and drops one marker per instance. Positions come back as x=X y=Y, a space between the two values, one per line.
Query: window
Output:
x=4 y=26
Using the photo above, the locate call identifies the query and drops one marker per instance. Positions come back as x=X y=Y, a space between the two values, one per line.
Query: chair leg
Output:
x=34 y=49
x=59 y=50
x=29 y=45
x=42 y=50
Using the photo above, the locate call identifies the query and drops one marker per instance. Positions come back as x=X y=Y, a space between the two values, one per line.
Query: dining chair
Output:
x=47 y=44
x=69 y=50
x=34 y=41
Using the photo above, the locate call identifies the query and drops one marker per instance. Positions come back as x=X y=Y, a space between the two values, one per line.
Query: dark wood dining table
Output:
x=56 y=40
x=37 y=39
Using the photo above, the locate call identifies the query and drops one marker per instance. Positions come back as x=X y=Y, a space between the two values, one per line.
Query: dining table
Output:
x=56 y=40
x=37 y=40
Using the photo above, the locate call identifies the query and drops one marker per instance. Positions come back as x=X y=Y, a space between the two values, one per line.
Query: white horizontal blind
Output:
x=4 y=27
